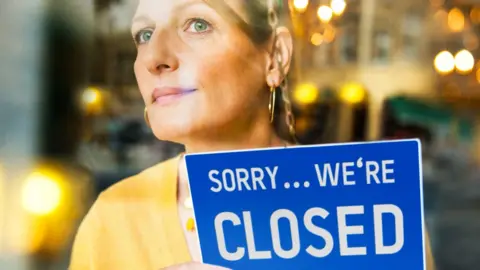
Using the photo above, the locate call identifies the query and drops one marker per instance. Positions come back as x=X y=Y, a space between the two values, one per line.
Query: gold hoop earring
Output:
x=145 y=117
x=271 y=104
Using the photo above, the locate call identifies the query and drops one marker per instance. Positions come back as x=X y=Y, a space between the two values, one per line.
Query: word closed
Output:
x=319 y=252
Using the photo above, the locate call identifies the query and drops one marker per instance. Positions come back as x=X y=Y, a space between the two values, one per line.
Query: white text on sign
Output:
x=375 y=172
x=327 y=174
x=344 y=230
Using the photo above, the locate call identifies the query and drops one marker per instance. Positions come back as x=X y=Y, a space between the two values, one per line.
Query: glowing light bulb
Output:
x=316 y=39
x=306 y=94
x=338 y=6
x=352 y=93
x=41 y=194
x=464 y=61
x=325 y=13
x=477 y=75
x=300 y=5
x=456 y=20
x=444 y=62
x=91 y=96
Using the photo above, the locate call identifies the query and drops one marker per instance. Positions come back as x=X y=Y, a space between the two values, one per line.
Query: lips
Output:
x=166 y=95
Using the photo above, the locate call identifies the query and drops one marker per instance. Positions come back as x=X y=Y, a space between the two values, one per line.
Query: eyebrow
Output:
x=140 y=19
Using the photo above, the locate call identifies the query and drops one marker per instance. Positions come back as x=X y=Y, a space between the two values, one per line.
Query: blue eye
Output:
x=143 y=36
x=198 y=26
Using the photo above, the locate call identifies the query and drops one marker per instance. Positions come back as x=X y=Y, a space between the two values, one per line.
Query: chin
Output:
x=173 y=132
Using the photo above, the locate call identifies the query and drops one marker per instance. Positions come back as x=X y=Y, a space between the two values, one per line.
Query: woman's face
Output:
x=197 y=72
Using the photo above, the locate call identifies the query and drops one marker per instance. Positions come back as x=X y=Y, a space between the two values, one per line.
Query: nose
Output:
x=160 y=57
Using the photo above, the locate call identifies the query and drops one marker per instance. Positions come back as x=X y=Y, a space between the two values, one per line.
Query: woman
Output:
x=206 y=70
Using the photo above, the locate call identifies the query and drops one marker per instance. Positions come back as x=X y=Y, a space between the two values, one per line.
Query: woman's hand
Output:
x=194 y=266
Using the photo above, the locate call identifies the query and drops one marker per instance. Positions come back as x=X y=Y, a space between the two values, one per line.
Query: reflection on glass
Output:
x=382 y=47
x=348 y=45
x=411 y=33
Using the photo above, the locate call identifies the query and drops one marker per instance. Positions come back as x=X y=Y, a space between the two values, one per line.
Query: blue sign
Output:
x=343 y=206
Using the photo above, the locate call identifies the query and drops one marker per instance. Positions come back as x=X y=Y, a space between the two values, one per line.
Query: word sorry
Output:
x=343 y=232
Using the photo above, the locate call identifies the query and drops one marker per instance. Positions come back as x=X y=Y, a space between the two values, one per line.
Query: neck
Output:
x=258 y=135
x=237 y=142
x=247 y=133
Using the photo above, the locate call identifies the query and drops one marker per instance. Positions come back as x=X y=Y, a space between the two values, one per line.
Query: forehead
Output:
x=164 y=9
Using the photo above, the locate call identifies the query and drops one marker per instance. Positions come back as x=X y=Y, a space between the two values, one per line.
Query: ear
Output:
x=280 y=57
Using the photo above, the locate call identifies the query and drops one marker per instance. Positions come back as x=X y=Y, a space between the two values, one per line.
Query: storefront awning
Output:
x=412 y=111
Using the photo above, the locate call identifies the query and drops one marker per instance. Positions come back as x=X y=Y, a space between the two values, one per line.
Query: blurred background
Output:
x=71 y=117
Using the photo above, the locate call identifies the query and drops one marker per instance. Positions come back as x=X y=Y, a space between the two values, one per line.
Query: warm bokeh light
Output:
x=470 y=41
x=329 y=33
x=450 y=89
x=325 y=35
x=477 y=75
x=441 y=19
x=300 y=5
x=306 y=93
x=475 y=15
x=302 y=124
x=456 y=20
x=92 y=100
x=437 y=3
x=444 y=62
x=41 y=193
x=464 y=61
x=338 y=6
x=316 y=39
x=325 y=13
x=352 y=93
x=91 y=95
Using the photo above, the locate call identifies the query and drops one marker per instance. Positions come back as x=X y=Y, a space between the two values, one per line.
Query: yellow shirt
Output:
x=135 y=225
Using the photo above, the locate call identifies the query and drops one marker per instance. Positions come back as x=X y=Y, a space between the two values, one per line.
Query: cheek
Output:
x=143 y=79
x=189 y=75
x=232 y=78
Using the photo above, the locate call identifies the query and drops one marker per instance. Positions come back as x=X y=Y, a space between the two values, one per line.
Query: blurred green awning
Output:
x=412 y=111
